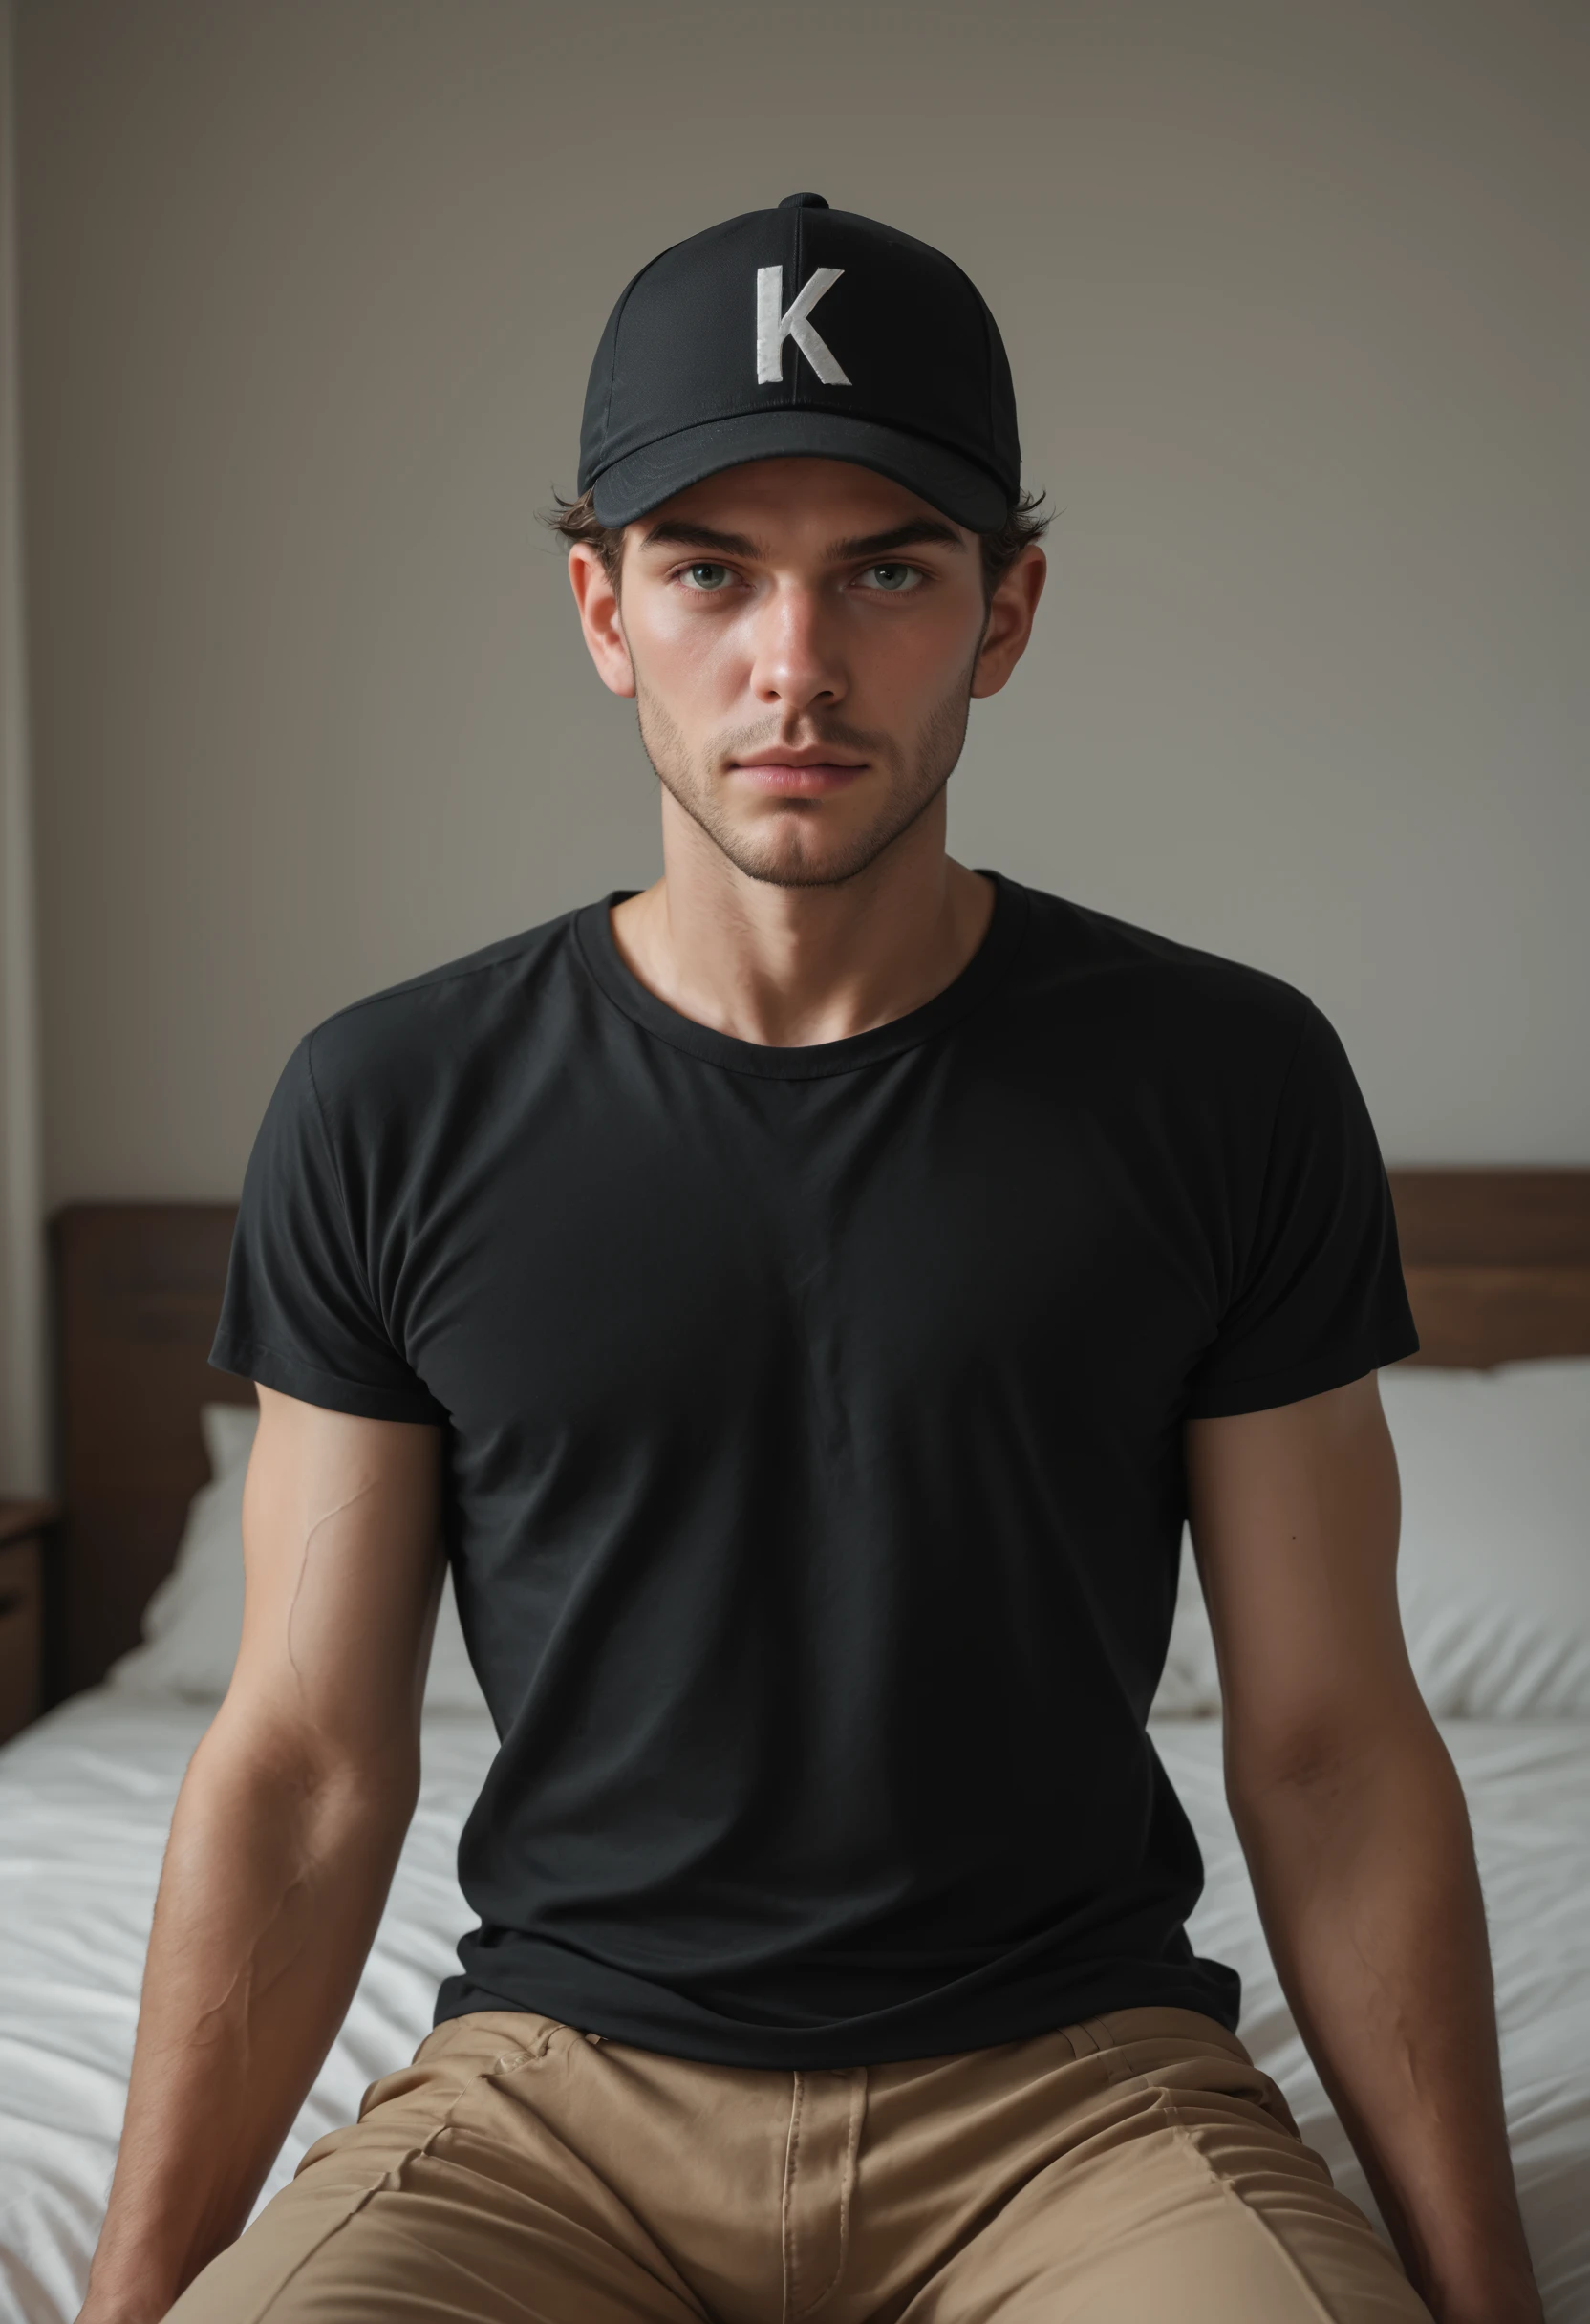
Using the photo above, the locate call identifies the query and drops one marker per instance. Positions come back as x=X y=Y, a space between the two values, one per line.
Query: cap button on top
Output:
x=803 y=201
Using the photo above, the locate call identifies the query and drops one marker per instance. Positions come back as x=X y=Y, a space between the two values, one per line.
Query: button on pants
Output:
x=1133 y=2169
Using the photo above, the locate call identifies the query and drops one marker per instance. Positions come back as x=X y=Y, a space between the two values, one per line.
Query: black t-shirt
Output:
x=813 y=1450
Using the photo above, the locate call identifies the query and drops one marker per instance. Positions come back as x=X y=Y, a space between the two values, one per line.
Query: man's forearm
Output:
x=1365 y=1873
x=271 y=1891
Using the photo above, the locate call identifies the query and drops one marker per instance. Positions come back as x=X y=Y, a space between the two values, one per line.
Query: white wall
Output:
x=1293 y=297
x=23 y=1460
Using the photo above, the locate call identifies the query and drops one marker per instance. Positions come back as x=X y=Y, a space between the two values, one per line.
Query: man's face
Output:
x=803 y=640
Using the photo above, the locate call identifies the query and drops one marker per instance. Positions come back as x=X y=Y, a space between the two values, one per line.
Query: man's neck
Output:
x=788 y=967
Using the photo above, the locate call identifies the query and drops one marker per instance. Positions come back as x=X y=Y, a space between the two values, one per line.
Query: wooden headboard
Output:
x=137 y=1293
x=1497 y=1264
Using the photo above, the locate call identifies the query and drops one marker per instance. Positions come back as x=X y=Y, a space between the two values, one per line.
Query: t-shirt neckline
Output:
x=595 y=940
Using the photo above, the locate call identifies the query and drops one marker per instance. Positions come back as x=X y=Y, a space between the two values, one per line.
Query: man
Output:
x=804 y=1298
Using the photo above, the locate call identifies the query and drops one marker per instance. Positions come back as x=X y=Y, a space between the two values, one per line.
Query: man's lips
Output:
x=799 y=778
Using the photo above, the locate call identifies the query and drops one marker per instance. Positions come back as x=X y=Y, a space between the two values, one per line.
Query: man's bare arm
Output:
x=282 y=1844
x=1356 y=1833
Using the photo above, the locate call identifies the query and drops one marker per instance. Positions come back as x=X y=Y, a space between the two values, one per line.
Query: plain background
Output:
x=1294 y=295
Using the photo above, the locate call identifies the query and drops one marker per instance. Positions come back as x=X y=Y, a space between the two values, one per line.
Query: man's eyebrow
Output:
x=680 y=535
x=922 y=532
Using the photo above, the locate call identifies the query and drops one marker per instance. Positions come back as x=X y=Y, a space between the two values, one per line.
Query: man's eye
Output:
x=708 y=577
x=896 y=578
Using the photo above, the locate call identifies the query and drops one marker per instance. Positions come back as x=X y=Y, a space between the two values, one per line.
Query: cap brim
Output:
x=958 y=487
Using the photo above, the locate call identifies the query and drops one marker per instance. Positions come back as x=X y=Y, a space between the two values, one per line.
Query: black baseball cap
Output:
x=803 y=331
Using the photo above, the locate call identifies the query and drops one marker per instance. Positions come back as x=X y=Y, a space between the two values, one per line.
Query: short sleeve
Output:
x=298 y=1313
x=1318 y=1298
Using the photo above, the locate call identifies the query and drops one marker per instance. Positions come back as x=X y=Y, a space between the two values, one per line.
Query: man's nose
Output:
x=796 y=660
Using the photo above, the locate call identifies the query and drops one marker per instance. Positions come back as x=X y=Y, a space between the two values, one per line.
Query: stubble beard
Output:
x=788 y=847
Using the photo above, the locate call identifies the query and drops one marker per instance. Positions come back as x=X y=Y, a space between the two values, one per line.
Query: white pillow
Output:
x=1494 y=1570
x=192 y=1623
x=1190 y=1683
x=228 y=1434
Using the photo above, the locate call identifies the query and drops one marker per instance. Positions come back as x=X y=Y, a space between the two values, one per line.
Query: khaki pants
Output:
x=1132 y=2169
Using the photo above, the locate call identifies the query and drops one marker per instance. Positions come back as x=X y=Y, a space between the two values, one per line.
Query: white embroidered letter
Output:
x=774 y=328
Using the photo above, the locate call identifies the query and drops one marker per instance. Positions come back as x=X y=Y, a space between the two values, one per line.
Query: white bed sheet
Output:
x=86 y=1797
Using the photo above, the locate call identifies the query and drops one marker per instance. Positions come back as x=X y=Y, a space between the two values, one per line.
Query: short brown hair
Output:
x=1024 y=523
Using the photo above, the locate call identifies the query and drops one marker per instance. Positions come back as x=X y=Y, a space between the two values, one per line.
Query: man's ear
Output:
x=597 y=599
x=1010 y=618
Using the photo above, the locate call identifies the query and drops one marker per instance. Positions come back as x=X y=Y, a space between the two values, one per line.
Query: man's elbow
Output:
x=336 y=1772
x=1329 y=1750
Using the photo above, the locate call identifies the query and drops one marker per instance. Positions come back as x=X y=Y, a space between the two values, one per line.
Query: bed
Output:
x=1498 y=1267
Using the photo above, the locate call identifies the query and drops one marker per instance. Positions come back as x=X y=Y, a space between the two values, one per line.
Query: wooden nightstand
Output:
x=25 y=1529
